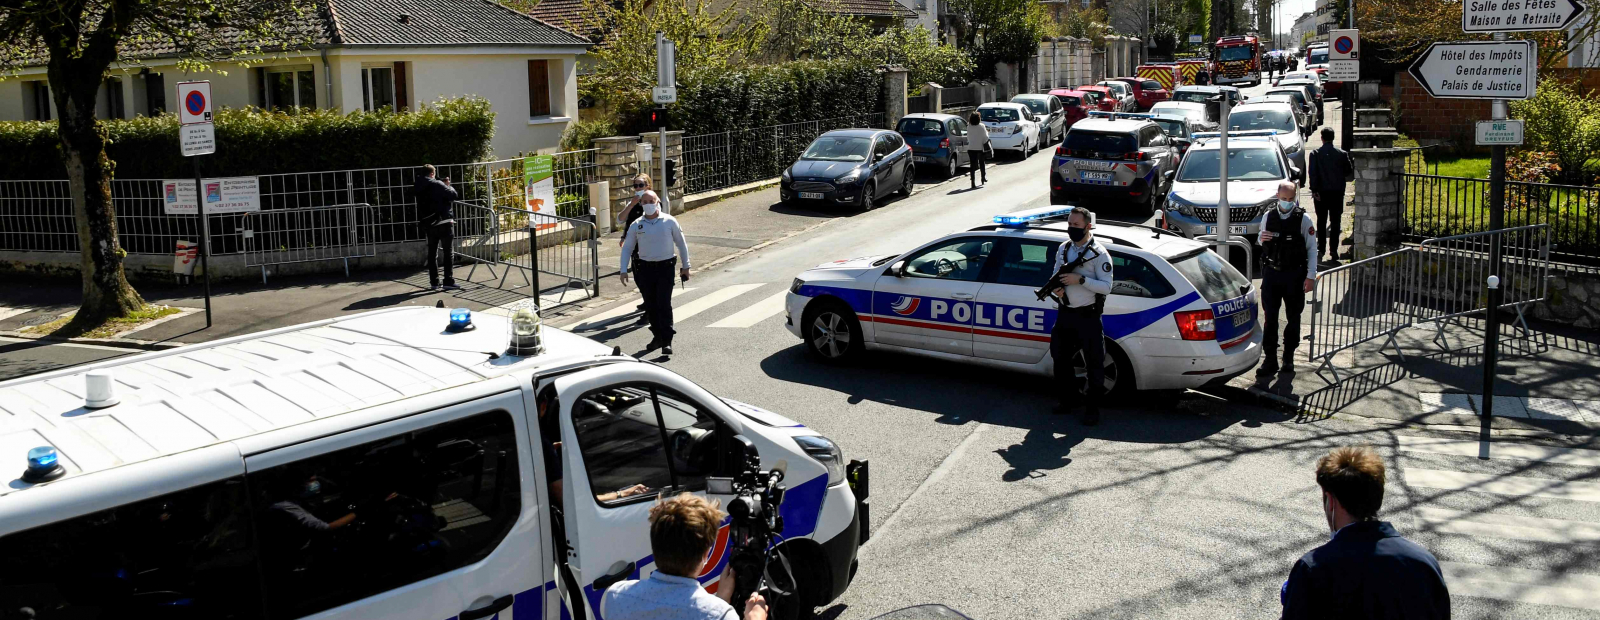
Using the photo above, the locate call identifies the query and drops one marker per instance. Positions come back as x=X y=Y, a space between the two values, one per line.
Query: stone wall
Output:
x=1376 y=207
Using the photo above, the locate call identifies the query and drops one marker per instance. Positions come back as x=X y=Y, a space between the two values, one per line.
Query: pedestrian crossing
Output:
x=1511 y=521
x=745 y=305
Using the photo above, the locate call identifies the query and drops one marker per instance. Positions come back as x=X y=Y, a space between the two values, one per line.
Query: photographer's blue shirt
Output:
x=663 y=597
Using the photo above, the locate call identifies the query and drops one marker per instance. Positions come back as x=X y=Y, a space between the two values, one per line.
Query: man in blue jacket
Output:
x=1368 y=571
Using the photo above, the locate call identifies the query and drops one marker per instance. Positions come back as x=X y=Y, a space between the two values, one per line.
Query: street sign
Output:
x=1499 y=133
x=224 y=195
x=198 y=139
x=1194 y=38
x=1345 y=44
x=664 y=94
x=195 y=98
x=1344 y=70
x=1478 y=69
x=666 y=62
x=1518 y=15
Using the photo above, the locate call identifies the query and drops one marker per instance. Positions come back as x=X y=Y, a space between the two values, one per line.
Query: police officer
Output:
x=1289 y=256
x=655 y=235
x=1082 y=298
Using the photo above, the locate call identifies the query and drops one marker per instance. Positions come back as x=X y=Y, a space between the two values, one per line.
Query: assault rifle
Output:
x=1054 y=284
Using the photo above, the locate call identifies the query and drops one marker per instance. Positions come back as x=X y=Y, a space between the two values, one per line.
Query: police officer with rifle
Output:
x=1080 y=283
x=1289 y=256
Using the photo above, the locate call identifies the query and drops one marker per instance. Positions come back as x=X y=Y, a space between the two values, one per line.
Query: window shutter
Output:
x=261 y=87
x=401 y=102
x=538 y=88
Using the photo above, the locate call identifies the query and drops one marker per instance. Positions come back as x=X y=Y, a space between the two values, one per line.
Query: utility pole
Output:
x=1497 y=221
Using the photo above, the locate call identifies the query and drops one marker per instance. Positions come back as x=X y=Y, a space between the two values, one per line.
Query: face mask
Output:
x=638 y=193
x=652 y=208
x=1285 y=205
x=1077 y=234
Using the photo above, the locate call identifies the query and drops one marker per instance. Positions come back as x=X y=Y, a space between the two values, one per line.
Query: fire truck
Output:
x=1236 y=59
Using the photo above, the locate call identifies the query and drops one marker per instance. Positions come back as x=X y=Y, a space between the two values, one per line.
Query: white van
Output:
x=380 y=465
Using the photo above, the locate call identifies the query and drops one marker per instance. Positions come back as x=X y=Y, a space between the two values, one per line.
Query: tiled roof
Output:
x=865 y=8
x=567 y=14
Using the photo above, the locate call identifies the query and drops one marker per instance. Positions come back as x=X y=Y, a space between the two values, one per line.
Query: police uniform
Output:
x=1078 y=323
x=656 y=267
x=1288 y=260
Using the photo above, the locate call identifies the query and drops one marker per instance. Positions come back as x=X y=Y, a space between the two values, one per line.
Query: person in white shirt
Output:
x=1289 y=259
x=1078 y=327
x=656 y=235
x=977 y=139
x=682 y=532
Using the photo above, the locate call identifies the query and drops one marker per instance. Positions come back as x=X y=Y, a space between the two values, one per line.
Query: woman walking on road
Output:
x=977 y=140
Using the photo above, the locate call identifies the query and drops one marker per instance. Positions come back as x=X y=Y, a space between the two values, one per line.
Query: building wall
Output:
x=1427 y=119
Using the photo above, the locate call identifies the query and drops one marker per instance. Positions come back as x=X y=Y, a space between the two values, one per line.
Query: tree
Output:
x=626 y=59
x=78 y=40
x=1083 y=23
x=1403 y=29
x=1010 y=29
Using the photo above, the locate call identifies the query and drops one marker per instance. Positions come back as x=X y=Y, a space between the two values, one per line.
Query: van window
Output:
x=623 y=434
x=183 y=555
x=424 y=502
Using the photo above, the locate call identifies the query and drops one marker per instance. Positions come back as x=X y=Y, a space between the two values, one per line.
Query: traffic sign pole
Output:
x=205 y=232
x=1497 y=221
x=196 y=111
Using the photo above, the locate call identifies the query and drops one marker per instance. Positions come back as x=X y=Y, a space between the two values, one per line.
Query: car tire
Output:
x=868 y=202
x=910 y=182
x=953 y=169
x=832 y=332
x=1118 y=371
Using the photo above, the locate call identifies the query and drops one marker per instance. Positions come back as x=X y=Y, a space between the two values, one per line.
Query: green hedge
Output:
x=762 y=95
x=254 y=142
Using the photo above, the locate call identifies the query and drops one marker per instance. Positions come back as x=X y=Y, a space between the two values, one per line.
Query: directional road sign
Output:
x=1518 y=15
x=1344 y=44
x=1478 y=69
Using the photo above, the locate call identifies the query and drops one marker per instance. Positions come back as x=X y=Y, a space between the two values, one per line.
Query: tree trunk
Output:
x=106 y=293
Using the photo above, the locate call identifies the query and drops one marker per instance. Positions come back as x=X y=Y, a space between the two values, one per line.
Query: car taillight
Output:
x=1136 y=156
x=1062 y=151
x=944 y=144
x=1196 y=324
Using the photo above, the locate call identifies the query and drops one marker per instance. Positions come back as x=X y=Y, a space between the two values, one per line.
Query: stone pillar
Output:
x=935 y=95
x=1060 y=51
x=1377 y=206
x=894 y=84
x=1005 y=77
x=1031 y=85
x=616 y=162
x=1137 y=57
x=1097 y=67
x=1086 y=61
x=674 y=152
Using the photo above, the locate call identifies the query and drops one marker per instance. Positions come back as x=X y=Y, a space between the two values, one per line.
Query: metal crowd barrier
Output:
x=544 y=243
x=282 y=236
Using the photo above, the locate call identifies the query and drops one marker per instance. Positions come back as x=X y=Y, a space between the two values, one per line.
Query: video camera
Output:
x=753 y=532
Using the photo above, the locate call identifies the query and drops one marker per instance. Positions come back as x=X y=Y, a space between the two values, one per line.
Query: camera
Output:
x=753 y=534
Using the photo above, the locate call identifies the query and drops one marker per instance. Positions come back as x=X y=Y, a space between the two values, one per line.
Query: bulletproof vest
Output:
x=1285 y=252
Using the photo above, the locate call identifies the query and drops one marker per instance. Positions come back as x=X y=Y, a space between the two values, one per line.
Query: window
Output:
x=958 y=127
x=155 y=94
x=1135 y=277
x=1151 y=85
x=184 y=554
x=881 y=148
x=894 y=143
x=839 y=148
x=624 y=431
x=999 y=115
x=345 y=525
x=114 y=101
x=920 y=127
x=1097 y=142
x=377 y=88
x=538 y=88
x=1243 y=165
x=289 y=88
x=1216 y=280
x=956 y=259
x=39 y=95
x=1028 y=262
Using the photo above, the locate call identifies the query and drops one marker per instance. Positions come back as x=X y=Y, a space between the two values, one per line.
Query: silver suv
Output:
x=1114 y=158
x=1256 y=164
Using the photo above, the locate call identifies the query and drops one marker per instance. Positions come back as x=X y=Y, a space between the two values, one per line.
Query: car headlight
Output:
x=848 y=177
x=786 y=176
x=826 y=452
x=1180 y=204
x=795 y=286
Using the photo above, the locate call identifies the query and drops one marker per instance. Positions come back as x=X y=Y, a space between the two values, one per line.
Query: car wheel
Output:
x=952 y=170
x=1153 y=204
x=1118 y=372
x=910 y=182
x=868 y=194
x=833 y=333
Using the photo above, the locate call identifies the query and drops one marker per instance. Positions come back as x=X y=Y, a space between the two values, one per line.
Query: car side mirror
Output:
x=898 y=269
x=878 y=157
x=1296 y=173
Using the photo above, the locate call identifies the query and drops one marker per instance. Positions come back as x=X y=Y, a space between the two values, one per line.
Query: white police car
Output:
x=1178 y=315
x=381 y=465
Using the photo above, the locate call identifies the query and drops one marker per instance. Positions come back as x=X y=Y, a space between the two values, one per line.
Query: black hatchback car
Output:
x=850 y=167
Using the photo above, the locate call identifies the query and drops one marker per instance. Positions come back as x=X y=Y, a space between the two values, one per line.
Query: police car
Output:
x=1178 y=316
x=1120 y=157
x=393 y=464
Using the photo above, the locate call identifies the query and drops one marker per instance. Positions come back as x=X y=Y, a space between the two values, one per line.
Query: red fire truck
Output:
x=1236 y=60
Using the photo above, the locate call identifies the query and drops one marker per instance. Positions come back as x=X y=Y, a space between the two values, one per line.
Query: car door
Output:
x=882 y=168
x=431 y=515
x=1010 y=322
x=900 y=154
x=623 y=426
x=957 y=130
x=928 y=304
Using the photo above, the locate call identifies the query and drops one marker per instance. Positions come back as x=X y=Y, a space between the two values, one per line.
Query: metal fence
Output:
x=1439 y=206
x=718 y=160
x=959 y=97
x=514 y=244
x=920 y=104
x=306 y=234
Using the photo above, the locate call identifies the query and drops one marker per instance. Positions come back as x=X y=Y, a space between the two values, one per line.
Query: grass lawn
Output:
x=104 y=330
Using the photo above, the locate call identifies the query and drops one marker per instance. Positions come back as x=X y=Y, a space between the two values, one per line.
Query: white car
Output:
x=1011 y=126
x=1195 y=112
x=1178 y=315
x=1276 y=116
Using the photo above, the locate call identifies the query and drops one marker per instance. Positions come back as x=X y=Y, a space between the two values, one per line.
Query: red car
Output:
x=1075 y=103
x=1105 y=100
x=1146 y=92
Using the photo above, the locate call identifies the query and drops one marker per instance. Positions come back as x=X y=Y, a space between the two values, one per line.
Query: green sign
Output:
x=539 y=182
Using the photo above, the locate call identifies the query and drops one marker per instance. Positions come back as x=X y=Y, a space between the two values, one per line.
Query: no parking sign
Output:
x=196 y=135
x=1344 y=44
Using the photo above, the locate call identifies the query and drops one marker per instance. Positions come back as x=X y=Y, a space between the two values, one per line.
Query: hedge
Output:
x=763 y=95
x=251 y=141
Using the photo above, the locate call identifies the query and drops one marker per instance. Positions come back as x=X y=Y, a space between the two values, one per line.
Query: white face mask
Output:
x=1285 y=205
x=652 y=208
x=638 y=193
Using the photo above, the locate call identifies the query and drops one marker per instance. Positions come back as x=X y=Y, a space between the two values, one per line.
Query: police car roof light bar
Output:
x=1237 y=134
x=1033 y=216
x=1117 y=115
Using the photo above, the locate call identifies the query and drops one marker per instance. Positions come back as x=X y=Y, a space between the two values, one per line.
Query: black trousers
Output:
x=655 y=283
x=1330 y=212
x=441 y=241
x=1286 y=291
x=975 y=167
x=1079 y=330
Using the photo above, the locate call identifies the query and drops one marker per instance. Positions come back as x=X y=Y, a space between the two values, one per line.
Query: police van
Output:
x=418 y=463
x=1178 y=316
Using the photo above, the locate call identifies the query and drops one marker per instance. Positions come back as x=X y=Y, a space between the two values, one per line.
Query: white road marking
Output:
x=711 y=300
x=6 y=313
x=1577 y=590
x=1503 y=485
x=1502 y=450
x=1484 y=524
x=626 y=308
x=756 y=313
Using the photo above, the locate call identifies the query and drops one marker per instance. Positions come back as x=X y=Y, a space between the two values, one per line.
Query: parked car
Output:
x=938 y=141
x=850 y=167
x=1075 y=102
x=1123 y=94
x=1256 y=164
x=1105 y=100
x=1119 y=158
x=1302 y=95
x=1275 y=116
x=1200 y=113
x=1302 y=116
x=1011 y=126
x=1313 y=83
x=1146 y=92
x=1180 y=130
x=1051 y=115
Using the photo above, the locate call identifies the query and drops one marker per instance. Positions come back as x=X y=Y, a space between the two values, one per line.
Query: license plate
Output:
x=1095 y=176
x=1241 y=318
x=810 y=196
x=1232 y=230
x=919 y=159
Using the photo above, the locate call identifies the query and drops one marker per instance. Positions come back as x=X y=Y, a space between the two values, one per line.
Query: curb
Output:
x=120 y=343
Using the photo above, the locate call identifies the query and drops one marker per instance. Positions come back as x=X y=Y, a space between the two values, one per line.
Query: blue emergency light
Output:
x=43 y=465
x=460 y=320
x=1030 y=216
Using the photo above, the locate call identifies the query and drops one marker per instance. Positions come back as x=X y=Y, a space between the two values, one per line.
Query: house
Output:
x=367 y=55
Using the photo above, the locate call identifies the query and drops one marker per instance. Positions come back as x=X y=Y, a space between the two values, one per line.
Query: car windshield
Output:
x=1237 y=52
x=1173 y=127
x=1039 y=106
x=1100 y=142
x=999 y=115
x=1177 y=111
x=920 y=127
x=1318 y=57
x=1247 y=120
x=1243 y=165
x=1216 y=280
x=839 y=148
x=1191 y=96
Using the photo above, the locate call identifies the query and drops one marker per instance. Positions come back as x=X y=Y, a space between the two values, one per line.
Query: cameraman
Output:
x=682 y=532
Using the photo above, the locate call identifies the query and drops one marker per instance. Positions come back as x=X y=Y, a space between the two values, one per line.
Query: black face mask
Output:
x=1077 y=234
